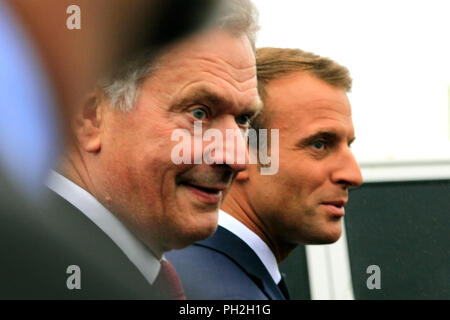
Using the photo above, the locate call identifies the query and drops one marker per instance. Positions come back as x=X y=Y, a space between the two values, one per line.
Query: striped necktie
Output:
x=168 y=283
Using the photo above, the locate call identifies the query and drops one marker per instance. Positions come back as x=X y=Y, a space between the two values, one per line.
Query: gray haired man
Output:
x=118 y=171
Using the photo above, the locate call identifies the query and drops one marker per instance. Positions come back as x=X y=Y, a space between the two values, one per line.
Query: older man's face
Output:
x=304 y=202
x=209 y=77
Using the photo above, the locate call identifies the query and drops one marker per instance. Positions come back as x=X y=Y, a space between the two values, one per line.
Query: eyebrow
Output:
x=211 y=98
x=329 y=136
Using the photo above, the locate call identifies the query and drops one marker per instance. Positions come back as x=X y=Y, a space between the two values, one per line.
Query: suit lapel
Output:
x=107 y=271
x=237 y=250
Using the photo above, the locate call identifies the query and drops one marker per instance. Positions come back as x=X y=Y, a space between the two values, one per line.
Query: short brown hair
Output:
x=274 y=63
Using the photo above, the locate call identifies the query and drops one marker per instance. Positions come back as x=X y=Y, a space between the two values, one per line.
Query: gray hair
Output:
x=123 y=86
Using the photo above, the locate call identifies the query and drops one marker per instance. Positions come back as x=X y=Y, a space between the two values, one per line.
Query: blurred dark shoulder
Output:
x=39 y=241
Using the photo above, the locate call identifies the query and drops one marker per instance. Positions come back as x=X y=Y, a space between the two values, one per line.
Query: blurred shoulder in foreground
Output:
x=46 y=69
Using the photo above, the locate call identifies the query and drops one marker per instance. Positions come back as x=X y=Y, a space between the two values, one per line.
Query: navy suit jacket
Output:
x=223 y=267
x=37 y=244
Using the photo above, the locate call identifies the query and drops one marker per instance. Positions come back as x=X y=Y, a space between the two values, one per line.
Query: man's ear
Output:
x=88 y=122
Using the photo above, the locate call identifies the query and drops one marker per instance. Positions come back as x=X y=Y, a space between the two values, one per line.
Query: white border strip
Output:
x=405 y=171
x=329 y=270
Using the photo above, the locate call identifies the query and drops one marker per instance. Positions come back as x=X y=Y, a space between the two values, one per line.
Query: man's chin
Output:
x=324 y=236
x=203 y=227
x=191 y=238
x=330 y=237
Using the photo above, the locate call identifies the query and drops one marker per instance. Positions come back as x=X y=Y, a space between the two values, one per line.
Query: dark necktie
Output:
x=284 y=289
x=168 y=283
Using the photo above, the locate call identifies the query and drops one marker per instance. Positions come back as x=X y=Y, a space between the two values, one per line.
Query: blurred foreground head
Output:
x=47 y=67
x=111 y=31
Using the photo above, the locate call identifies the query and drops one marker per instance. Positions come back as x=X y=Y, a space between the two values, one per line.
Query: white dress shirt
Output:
x=253 y=241
x=131 y=246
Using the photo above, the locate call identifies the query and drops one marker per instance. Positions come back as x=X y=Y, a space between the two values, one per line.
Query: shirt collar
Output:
x=253 y=241
x=131 y=246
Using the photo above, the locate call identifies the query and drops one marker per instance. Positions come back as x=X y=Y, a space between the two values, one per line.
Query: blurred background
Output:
x=398 y=55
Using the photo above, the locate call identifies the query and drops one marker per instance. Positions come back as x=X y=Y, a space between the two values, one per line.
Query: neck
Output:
x=76 y=168
x=73 y=166
x=237 y=205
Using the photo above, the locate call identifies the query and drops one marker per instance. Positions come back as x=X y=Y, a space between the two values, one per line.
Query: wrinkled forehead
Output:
x=326 y=108
x=214 y=61
x=232 y=51
x=304 y=99
x=312 y=115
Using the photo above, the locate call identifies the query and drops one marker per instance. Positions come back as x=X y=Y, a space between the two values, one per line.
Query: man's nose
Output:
x=233 y=149
x=347 y=171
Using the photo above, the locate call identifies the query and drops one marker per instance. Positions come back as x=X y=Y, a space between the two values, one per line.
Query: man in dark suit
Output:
x=88 y=241
x=119 y=172
x=52 y=251
x=38 y=241
x=300 y=200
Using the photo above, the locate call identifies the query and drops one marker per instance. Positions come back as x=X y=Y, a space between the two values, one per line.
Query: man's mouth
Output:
x=205 y=193
x=335 y=207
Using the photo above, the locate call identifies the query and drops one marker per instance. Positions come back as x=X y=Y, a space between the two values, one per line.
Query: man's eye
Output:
x=199 y=113
x=319 y=145
x=243 y=119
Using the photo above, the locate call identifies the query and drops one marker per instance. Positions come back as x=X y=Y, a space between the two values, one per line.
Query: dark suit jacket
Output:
x=37 y=244
x=223 y=267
